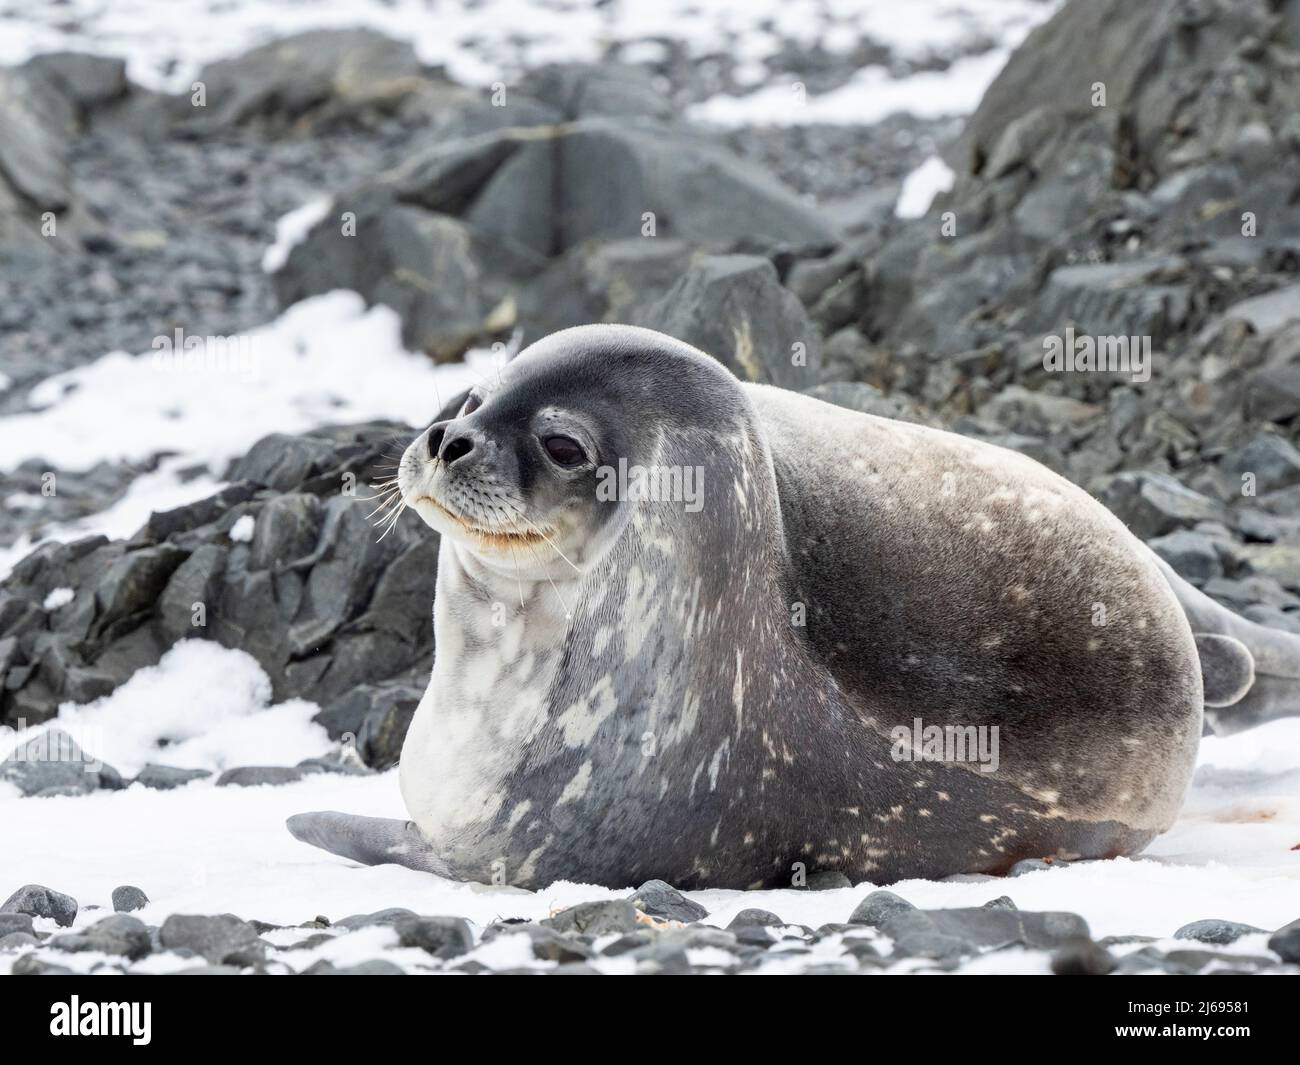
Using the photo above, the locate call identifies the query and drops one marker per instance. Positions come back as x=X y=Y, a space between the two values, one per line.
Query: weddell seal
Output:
x=871 y=647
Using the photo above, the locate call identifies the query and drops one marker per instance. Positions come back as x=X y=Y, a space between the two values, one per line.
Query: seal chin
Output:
x=483 y=539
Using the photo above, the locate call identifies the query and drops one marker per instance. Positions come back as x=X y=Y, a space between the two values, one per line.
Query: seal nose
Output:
x=434 y=440
x=448 y=444
x=456 y=449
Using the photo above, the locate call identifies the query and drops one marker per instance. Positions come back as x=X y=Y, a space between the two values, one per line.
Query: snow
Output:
x=202 y=849
x=325 y=360
x=172 y=484
x=921 y=186
x=484 y=41
x=292 y=230
x=58 y=597
x=203 y=706
x=871 y=95
x=301 y=371
x=242 y=530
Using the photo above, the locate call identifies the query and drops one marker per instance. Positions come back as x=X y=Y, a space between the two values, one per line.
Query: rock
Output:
x=1240 y=594
x=1270 y=312
x=625 y=944
x=595 y=918
x=658 y=899
x=1187 y=962
x=443 y=937
x=1215 y=931
x=134 y=582
x=32 y=965
x=864 y=398
x=547 y=944
x=11 y=923
x=455 y=238
x=119 y=934
x=734 y=308
x=387 y=717
x=166 y=777
x=1273 y=394
x=89 y=81
x=17 y=941
x=251 y=776
x=1115 y=300
x=828 y=880
x=1002 y=902
x=127 y=898
x=52 y=759
x=1082 y=957
x=1278 y=562
x=1192 y=555
x=1153 y=504
x=1033 y=865
x=380 y=918
x=668 y=950
x=332 y=610
x=755 y=918
x=374 y=967
x=40 y=901
x=586 y=90
x=878 y=907
x=316 y=76
x=1285 y=942
x=224 y=939
x=33 y=158
x=343 y=761
x=1273 y=460
x=945 y=934
x=1037 y=413
x=423 y=265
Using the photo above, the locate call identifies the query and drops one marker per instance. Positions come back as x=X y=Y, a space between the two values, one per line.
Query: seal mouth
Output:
x=486 y=537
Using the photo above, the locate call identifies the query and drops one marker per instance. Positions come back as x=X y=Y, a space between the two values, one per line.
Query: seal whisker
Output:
x=389 y=500
x=568 y=613
x=543 y=535
x=392 y=522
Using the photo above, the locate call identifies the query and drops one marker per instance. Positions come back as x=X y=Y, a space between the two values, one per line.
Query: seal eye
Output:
x=564 y=451
x=471 y=404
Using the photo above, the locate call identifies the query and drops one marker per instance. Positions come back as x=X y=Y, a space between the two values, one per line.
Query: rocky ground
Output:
x=1165 y=209
x=654 y=930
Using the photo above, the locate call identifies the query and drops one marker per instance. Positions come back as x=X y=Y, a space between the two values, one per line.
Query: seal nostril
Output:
x=434 y=441
x=457 y=449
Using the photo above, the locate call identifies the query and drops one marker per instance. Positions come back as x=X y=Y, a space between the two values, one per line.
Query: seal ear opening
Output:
x=1227 y=668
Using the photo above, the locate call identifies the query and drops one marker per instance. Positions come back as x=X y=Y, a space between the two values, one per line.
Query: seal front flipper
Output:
x=368 y=840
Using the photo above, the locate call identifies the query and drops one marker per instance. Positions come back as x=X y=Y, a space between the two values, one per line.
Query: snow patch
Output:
x=203 y=706
x=58 y=597
x=242 y=530
x=325 y=361
x=921 y=186
x=292 y=230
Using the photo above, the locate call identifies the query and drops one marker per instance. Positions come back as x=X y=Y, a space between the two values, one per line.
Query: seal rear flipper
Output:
x=368 y=840
x=1227 y=668
x=1274 y=690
